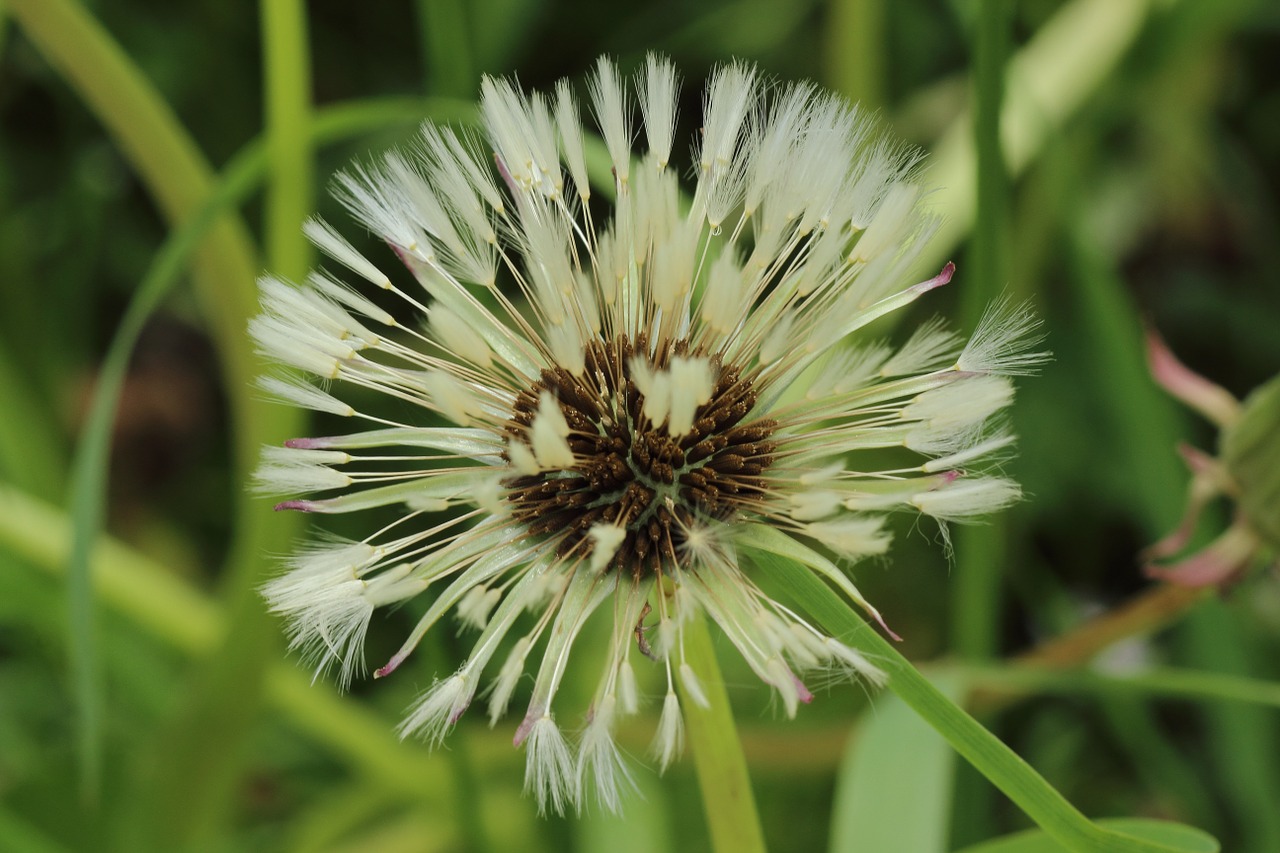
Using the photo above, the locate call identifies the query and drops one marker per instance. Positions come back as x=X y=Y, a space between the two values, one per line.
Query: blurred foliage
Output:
x=1155 y=199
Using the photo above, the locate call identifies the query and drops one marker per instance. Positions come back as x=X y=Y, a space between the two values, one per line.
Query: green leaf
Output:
x=1174 y=835
x=893 y=790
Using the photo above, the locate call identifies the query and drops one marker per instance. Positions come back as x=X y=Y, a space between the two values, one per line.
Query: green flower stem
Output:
x=717 y=753
x=175 y=172
x=1065 y=62
x=995 y=686
x=1149 y=611
x=290 y=192
x=992 y=758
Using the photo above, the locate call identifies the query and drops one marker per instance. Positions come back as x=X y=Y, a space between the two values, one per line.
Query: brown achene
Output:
x=632 y=473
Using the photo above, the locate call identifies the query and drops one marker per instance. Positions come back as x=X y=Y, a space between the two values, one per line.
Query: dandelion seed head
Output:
x=608 y=409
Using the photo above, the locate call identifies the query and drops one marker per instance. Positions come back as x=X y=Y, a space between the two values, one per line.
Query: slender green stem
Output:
x=999 y=764
x=290 y=192
x=975 y=613
x=855 y=50
x=717 y=753
x=168 y=608
x=446 y=48
x=173 y=169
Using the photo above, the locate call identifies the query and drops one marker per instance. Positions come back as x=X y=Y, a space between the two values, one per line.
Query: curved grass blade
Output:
x=999 y=764
x=1174 y=835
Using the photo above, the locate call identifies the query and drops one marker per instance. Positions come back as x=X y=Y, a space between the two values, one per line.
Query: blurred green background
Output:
x=1139 y=183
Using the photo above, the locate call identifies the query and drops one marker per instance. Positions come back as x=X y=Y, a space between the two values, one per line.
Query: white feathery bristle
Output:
x=323 y=599
x=487 y=493
x=1003 y=342
x=825 y=475
x=693 y=686
x=605 y=541
x=304 y=394
x=967 y=454
x=508 y=677
x=291 y=346
x=891 y=223
x=476 y=605
x=549 y=766
x=693 y=379
x=959 y=405
x=566 y=345
x=569 y=122
x=380 y=205
x=856 y=662
x=289 y=470
x=674 y=255
x=669 y=739
x=931 y=346
x=452 y=170
x=859 y=536
x=434 y=714
x=599 y=758
x=779 y=341
x=333 y=244
x=814 y=504
x=458 y=338
x=721 y=306
x=451 y=397
x=658 y=90
x=730 y=95
x=340 y=293
x=628 y=689
x=509 y=129
x=306 y=308
x=445 y=143
x=522 y=458
x=967 y=498
x=783 y=680
x=548 y=433
x=655 y=385
x=544 y=145
x=847 y=370
x=609 y=100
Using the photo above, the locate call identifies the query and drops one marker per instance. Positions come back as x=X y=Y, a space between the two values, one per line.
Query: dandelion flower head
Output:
x=610 y=406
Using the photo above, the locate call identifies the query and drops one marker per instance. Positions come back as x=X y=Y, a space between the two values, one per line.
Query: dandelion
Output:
x=633 y=402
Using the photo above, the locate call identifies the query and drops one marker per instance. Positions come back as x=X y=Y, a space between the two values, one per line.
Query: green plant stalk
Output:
x=168 y=608
x=290 y=191
x=206 y=742
x=975 y=612
x=446 y=48
x=717 y=753
x=855 y=51
x=176 y=174
x=1068 y=59
x=999 y=764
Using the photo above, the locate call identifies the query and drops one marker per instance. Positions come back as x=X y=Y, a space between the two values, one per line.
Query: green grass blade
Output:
x=290 y=192
x=727 y=799
x=893 y=790
x=856 y=52
x=30 y=456
x=171 y=165
x=447 y=48
x=1064 y=63
x=1195 y=685
x=999 y=764
x=1175 y=835
x=169 y=609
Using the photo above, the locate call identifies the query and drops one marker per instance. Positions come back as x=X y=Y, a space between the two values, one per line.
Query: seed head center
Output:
x=635 y=474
